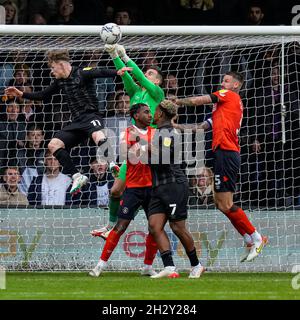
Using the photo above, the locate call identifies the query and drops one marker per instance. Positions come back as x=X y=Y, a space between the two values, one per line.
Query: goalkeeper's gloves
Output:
x=122 y=53
x=111 y=50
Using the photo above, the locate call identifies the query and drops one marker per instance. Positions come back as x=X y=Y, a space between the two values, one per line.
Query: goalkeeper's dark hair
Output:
x=159 y=72
x=236 y=75
x=135 y=108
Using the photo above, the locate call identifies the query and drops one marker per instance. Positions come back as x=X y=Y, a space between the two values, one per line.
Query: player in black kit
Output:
x=78 y=86
x=169 y=193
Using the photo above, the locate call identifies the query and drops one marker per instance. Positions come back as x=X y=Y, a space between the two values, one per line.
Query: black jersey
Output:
x=166 y=157
x=79 y=89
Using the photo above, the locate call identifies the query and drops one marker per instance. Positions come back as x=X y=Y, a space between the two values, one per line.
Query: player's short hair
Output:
x=135 y=108
x=58 y=55
x=236 y=75
x=159 y=73
x=169 y=108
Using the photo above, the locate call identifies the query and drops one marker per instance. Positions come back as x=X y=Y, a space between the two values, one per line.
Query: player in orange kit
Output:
x=138 y=188
x=227 y=117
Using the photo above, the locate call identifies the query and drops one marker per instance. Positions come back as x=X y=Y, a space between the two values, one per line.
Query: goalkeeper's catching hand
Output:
x=111 y=50
x=122 y=52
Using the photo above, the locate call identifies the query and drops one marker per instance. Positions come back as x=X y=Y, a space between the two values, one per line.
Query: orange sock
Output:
x=151 y=250
x=110 y=244
x=239 y=220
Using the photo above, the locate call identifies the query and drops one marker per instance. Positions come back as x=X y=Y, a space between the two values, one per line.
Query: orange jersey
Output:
x=226 y=120
x=138 y=174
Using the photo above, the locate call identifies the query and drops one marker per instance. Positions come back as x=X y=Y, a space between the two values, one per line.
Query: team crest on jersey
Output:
x=167 y=142
x=222 y=92
x=125 y=210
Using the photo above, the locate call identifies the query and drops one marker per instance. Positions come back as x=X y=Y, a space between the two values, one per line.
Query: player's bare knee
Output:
x=175 y=227
x=223 y=206
x=55 y=144
x=116 y=192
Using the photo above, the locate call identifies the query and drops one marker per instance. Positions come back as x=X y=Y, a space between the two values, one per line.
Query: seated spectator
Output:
x=149 y=59
x=51 y=187
x=31 y=157
x=201 y=188
x=21 y=76
x=96 y=193
x=9 y=191
x=255 y=14
x=12 y=133
x=171 y=85
x=122 y=16
x=32 y=111
x=11 y=12
x=65 y=10
x=38 y=18
x=118 y=119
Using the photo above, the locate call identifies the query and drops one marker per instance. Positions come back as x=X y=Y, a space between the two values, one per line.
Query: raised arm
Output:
x=129 y=84
x=205 y=125
x=41 y=95
x=153 y=90
x=93 y=73
x=195 y=101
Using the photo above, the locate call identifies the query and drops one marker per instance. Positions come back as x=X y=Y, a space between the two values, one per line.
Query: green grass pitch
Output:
x=130 y=285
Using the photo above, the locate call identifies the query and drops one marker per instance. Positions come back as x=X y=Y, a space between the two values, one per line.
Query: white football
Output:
x=111 y=33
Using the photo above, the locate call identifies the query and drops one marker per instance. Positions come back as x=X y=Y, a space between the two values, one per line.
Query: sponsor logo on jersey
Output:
x=167 y=142
x=222 y=92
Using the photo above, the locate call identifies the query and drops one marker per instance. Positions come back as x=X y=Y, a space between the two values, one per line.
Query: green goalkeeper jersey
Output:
x=147 y=92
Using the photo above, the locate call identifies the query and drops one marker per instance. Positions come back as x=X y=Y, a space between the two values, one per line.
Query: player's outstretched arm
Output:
x=129 y=83
x=205 y=125
x=153 y=89
x=194 y=101
x=39 y=96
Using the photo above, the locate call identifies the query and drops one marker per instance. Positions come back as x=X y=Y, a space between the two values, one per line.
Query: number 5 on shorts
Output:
x=173 y=206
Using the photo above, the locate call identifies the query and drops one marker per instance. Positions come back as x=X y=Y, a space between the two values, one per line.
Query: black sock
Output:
x=192 y=255
x=167 y=258
x=65 y=160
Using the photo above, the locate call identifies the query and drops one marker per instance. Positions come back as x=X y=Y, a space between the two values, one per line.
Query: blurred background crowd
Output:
x=269 y=177
x=157 y=12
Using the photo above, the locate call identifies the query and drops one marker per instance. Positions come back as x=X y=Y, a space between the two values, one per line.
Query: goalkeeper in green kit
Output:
x=144 y=89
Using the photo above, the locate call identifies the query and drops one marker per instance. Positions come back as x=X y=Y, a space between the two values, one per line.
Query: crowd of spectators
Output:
x=30 y=175
x=134 y=12
x=269 y=167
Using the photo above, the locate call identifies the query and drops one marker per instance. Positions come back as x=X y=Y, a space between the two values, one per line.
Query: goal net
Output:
x=52 y=231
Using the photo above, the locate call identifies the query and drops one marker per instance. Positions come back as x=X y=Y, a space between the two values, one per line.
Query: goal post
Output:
x=193 y=60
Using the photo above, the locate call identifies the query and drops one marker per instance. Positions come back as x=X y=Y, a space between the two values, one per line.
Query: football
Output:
x=111 y=33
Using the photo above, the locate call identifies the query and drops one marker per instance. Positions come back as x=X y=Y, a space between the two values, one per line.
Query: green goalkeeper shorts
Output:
x=123 y=170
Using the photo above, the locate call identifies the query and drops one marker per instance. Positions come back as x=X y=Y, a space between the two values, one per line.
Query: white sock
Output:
x=247 y=239
x=101 y=264
x=147 y=266
x=171 y=268
x=256 y=237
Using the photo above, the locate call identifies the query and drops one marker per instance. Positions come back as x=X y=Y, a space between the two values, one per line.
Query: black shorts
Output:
x=132 y=199
x=79 y=130
x=226 y=169
x=170 y=199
